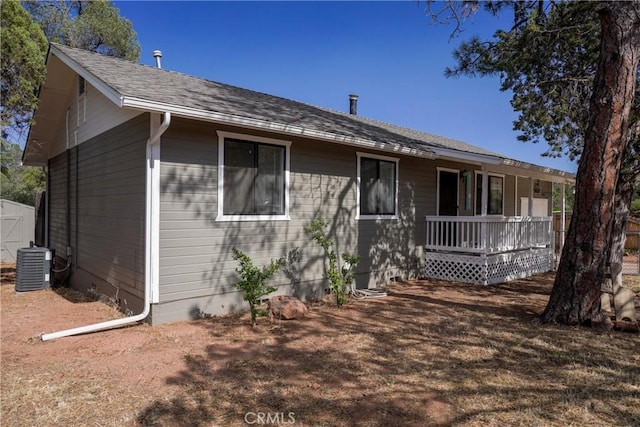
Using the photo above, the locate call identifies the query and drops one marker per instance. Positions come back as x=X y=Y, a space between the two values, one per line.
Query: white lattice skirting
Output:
x=487 y=270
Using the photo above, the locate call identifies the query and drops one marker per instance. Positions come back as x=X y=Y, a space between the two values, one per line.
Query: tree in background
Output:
x=91 y=25
x=557 y=197
x=26 y=29
x=22 y=66
x=19 y=183
x=550 y=59
x=22 y=63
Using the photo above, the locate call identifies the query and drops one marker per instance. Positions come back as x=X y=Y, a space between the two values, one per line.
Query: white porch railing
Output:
x=486 y=234
x=487 y=249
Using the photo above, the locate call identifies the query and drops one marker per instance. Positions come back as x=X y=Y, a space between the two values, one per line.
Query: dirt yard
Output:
x=431 y=353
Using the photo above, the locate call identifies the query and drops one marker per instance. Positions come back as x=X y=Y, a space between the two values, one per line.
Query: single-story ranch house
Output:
x=154 y=176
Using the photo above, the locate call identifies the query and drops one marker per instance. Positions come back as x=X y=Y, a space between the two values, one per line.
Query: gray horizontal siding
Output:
x=57 y=188
x=509 y=196
x=106 y=191
x=62 y=214
x=197 y=272
x=112 y=209
x=195 y=250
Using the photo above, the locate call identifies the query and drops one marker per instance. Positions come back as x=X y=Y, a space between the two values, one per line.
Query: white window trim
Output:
x=489 y=174
x=359 y=156
x=259 y=139
x=457 y=172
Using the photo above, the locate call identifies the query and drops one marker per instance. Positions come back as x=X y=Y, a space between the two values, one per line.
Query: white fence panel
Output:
x=17 y=228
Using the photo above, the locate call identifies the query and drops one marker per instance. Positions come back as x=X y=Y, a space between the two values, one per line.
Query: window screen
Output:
x=254 y=181
x=377 y=187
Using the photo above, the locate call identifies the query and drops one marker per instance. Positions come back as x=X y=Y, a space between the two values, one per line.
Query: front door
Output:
x=448 y=193
x=447 y=206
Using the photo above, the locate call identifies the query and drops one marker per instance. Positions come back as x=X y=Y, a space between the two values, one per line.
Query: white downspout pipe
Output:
x=483 y=225
x=155 y=135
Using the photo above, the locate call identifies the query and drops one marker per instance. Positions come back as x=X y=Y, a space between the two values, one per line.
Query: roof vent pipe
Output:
x=353 y=104
x=157 y=54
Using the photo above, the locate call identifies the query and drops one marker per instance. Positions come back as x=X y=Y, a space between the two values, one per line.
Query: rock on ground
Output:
x=286 y=307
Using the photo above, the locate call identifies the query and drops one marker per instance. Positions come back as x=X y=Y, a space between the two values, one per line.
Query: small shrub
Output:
x=340 y=278
x=252 y=283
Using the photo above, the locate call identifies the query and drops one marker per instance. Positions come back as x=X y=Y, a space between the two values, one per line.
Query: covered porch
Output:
x=493 y=224
x=486 y=249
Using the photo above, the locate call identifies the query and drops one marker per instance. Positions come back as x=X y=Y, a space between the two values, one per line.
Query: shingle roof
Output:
x=133 y=80
x=151 y=89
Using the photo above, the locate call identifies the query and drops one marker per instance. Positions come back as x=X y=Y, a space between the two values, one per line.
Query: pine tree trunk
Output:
x=575 y=295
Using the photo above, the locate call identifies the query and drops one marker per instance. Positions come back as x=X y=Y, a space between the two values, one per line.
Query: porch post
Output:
x=515 y=197
x=563 y=213
x=530 y=196
x=485 y=191
x=483 y=212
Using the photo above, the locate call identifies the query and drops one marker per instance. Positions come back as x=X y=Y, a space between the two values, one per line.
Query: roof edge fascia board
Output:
x=562 y=175
x=109 y=92
x=230 y=119
x=35 y=164
x=446 y=153
x=501 y=161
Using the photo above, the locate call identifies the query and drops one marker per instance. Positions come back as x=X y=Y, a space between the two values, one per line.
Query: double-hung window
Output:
x=495 y=194
x=377 y=187
x=253 y=178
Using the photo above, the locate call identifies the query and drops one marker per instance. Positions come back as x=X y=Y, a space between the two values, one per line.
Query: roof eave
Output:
x=281 y=128
x=476 y=158
x=427 y=151
x=562 y=176
x=499 y=161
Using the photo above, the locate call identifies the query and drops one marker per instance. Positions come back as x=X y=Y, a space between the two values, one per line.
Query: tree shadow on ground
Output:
x=8 y=278
x=8 y=274
x=425 y=355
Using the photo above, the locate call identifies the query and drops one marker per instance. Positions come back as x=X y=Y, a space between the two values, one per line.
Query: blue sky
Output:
x=319 y=52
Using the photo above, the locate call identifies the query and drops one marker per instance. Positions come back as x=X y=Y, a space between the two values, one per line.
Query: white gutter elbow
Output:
x=166 y=121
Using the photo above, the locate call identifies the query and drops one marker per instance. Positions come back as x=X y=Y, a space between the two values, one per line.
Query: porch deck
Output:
x=487 y=249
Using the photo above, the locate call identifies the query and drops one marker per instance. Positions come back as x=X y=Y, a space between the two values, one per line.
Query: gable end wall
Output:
x=97 y=208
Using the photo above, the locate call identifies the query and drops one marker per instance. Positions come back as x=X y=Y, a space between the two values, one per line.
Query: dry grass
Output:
x=432 y=353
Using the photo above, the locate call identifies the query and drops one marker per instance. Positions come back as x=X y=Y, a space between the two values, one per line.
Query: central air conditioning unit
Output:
x=33 y=269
